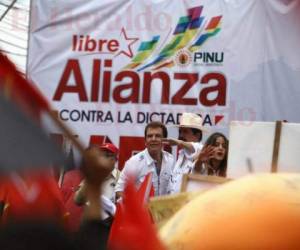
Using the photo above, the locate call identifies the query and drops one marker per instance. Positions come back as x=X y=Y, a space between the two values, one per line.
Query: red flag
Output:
x=23 y=142
x=132 y=228
x=17 y=88
x=146 y=189
x=32 y=196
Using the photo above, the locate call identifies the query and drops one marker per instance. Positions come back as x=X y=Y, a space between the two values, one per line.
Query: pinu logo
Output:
x=190 y=33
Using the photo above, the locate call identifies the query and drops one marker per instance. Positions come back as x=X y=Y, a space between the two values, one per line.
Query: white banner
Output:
x=109 y=67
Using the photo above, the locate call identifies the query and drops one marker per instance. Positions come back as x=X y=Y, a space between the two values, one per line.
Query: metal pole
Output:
x=28 y=36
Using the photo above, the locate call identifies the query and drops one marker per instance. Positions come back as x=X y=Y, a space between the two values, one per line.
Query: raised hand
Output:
x=96 y=166
x=206 y=153
x=204 y=156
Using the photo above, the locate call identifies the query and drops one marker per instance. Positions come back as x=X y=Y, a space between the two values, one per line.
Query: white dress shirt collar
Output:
x=150 y=160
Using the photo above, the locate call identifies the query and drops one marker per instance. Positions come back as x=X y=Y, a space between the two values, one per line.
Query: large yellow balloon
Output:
x=255 y=212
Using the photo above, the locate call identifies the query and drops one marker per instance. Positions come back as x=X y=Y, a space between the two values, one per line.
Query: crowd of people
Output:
x=86 y=211
x=166 y=171
x=91 y=193
x=193 y=156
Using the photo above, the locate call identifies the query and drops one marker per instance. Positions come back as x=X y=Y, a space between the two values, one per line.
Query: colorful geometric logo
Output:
x=191 y=32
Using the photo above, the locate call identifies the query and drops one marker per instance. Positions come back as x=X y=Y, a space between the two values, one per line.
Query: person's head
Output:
x=154 y=132
x=190 y=128
x=190 y=134
x=109 y=150
x=95 y=157
x=220 y=144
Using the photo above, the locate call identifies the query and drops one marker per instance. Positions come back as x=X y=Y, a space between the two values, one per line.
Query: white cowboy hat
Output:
x=191 y=120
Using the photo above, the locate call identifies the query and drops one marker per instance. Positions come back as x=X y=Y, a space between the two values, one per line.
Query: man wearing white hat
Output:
x=189 y=140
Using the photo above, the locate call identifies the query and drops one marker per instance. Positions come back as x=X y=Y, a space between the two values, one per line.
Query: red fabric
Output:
x=70 y=183
x=46 y=204
x=74 y=214
x=146 y=189
x=18 y=89
x=132 y=228
x=69 y=186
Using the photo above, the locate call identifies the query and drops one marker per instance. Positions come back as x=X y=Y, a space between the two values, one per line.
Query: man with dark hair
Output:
x=156 y=125
x=189 y=140
x=151 y=160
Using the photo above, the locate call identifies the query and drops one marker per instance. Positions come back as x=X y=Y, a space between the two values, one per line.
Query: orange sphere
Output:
x=255 y=212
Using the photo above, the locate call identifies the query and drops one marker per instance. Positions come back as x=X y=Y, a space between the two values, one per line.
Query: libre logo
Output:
x=191 y=32
x=116 y=47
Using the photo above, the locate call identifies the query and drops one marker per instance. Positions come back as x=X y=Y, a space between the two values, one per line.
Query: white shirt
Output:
x=140 y=165
x=108 y=186
x=205 y=168
x=184 y=165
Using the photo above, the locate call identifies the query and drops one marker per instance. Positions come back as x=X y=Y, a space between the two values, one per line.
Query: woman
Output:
x=212 y=160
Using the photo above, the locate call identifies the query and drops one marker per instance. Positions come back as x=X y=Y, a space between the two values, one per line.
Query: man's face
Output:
x=186 y=134
x=154 y=139
x=108 y=155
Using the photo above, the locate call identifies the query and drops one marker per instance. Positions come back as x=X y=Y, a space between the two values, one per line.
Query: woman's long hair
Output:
x=211 y=140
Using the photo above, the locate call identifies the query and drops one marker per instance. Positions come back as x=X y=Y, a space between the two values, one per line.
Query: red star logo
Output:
x=125 y=44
